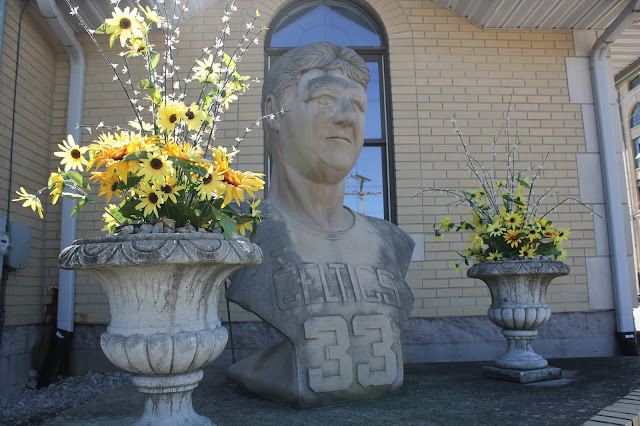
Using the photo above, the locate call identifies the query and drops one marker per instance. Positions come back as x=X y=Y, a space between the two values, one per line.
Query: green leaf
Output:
x=112 y=39
x=128 y=209
x=228 y=225
x=188 y=166
x=78 y=206
x=228 y=61
x=132 y=181
x=155 y=58
x=523 y=183
x=135 y=156
x=102 y=29
x=78 y=179
x=146 y=84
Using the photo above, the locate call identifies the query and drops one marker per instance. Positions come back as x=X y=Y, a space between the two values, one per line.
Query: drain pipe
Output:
x=613 y=200
x=68 y=230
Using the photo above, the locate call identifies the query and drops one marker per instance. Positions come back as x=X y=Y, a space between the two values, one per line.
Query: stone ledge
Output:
x=522 y=376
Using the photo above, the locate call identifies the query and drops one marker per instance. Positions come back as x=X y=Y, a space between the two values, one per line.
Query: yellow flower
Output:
x=244 y=227
x=513 y=238
x=156 y=167
x=135 y=124
x=494 y=256
x=476 y=241
x=207 y=71
x=195 y=117
x=30 y=200
x=531 y=233
x=221 y=158
x=72 y=155
x=228 y=99
x=513 y=220
x=150 y=199
x=170 y=189
x=254 y=211
x=124 y=24
x=151 y=15
x=138 y=47
x=563 y=253
x=110 y=221
x=446 y=224
x=494 y=230
x=56 y=185
x=236 y=183
x=109 y=185
x=527 y=252
x=211 y=185
x=560 y=235
x=169 y=114
x=544 y=226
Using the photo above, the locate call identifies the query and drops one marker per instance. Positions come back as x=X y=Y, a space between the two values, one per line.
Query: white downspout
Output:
x=67 y=279
x=613 y=200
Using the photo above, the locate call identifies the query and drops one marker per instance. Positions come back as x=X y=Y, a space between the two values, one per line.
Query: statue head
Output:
x=335 y=80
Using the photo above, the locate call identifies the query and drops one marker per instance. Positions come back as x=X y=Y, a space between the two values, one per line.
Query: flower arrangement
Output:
x=165 y=168
x=505 y=219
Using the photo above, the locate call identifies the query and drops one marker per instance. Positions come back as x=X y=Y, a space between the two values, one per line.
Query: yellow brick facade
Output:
x=440 y=64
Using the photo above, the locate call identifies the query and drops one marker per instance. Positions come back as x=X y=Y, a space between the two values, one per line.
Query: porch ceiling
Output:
x=524 y=14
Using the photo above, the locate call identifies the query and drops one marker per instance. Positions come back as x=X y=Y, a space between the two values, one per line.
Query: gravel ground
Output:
x=34 y=406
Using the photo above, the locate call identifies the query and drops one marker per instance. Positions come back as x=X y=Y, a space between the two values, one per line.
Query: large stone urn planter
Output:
x=518 y=289
x=163 y=297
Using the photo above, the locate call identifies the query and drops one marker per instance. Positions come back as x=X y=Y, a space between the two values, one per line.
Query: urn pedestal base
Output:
x=522 y=376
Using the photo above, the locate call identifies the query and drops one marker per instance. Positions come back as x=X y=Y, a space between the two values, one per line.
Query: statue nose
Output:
x=343 y=111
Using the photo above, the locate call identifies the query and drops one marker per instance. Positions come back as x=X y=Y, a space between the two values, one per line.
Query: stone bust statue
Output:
x=332 y=281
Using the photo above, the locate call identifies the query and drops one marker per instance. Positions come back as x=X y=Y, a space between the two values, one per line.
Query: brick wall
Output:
x=36 y=135
x=440 y=65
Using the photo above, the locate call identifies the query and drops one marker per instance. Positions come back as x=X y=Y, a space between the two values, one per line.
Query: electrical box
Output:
x=20 y=236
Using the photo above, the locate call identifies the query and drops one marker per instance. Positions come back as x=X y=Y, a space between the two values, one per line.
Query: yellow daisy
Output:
x=494 y=256
x=212 y=185
x=169 y=114
x=560 y=235
x=156 y=168
x=109 y=187
x=138 y=47
x=170 y=189
x=236 y=183
x=30 y=200
x=244 y=227
x=527 y=252
x=494 y=230
x=207 y=70
x=532 y=234
x=513 y=220
x=124 y=24
x=544 y=226
x=56 y=185
x=150 y=199
x=513 y=238
x=72 y=155
x=195 y=117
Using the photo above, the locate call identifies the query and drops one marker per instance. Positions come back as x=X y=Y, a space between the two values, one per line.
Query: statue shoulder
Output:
x=400 y=243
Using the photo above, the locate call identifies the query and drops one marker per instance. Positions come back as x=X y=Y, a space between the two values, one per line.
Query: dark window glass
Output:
x=329 y=21
x=635 y=82
x=636 y=152
x=635 y=116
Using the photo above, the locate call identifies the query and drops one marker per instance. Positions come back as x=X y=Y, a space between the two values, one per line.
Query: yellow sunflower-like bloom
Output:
x=138 y=47
x=195 y=117
x=150 y=199
x=494 y=256
x=110 y=150
x=72 y=155
x=207 y=70
x=495 y=229
x=56 y=185
x=544 y=227
x=169 y=114
x=244 y=227
x=513 y=220
x=109 y=186
x=30 y=200
x=236 y=183
x=560 y=235
x=125 y=24
x=212 y=185
x=221 y=158
x=156 y=168
x=563 y=253
x=513 y=237
x=476 y=240
x=527 y=252
x=532 y=234
x=171 y=188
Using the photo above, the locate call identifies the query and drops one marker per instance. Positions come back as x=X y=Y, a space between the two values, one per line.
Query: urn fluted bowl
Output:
x=518 y=289
x=163 y=291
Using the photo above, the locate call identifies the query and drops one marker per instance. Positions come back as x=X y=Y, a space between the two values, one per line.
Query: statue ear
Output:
x=271 y=107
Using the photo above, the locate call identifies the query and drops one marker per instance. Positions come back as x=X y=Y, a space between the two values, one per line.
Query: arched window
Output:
x=635 y=116
x=635 y=82
x=369 y=187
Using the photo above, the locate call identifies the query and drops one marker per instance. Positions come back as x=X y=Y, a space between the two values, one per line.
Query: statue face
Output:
x=323 y=136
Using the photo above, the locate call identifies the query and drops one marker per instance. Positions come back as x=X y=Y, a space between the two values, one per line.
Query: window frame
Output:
x=378 y=54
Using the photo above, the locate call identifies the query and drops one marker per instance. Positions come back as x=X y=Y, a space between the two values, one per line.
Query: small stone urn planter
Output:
x=518 y=288
x=163 y=296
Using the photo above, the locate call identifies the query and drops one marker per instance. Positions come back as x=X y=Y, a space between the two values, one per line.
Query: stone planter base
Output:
x=523 y=376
